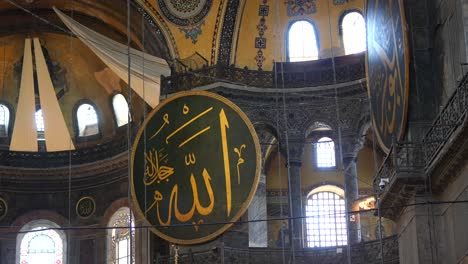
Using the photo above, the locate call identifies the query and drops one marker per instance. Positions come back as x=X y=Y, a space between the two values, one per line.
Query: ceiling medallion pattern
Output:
x=185 y=13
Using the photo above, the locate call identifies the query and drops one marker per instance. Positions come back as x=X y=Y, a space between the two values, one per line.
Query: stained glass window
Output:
x=120 y=109
x=4 y=120
x=302 y=42
x=87 y=120
x=41 y=245
x=354 y=33
x=325 y=153
x=325 y=219
x=120 y=246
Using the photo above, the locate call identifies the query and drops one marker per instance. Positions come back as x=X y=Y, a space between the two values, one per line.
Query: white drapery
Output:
x=145 y=69
x=24 y=137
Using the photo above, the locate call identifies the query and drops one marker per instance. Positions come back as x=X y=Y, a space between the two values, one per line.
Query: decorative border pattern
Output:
x=215 y=33
x=302 y=7
x=227 y=33
x=161 y=23
x=260 y=41
x=193 y=20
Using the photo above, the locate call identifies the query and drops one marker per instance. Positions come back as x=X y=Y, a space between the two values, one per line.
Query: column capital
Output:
x=294 y=150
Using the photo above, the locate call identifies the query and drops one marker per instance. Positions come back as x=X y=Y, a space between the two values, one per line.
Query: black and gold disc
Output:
x=195 y=167
x=387 y=69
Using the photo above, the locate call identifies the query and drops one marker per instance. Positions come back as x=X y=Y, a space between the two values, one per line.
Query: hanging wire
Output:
x=277 y=118
x=129 y=131
x=340 y=152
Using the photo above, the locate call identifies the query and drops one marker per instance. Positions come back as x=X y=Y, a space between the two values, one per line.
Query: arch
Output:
x=46 y=244
x=118 y=239
x=326 y=217
x=302 y=41
x=325 y=155
x=86 y=119
x=5 y=120
x=121 y=111
x=353 y=32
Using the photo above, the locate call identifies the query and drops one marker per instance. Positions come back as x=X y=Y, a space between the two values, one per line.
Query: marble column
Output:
x=258 y=231
x=295 y=192
x=351 y=195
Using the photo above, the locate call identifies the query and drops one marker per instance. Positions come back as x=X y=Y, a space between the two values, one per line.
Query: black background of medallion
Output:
x=386 y=26
x=208 y=150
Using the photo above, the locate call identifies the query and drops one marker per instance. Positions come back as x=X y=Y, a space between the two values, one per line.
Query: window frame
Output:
x=326 y=188
x=41 y=223
x=117 y=127
x=11 y=123
x=317 y=39
x=315 y=150
x=111 y=244
x=76 y=127
x=340 y=27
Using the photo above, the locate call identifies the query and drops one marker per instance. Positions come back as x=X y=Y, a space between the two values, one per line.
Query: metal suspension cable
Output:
x=129 y=131
x=340 y=146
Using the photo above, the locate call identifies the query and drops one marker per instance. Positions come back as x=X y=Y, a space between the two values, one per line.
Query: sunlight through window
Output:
x=302 y=42
x=325 y=219
x=87 y=120
x=354 y=33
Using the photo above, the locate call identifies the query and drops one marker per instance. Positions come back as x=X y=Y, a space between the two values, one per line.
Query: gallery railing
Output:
x=418 y=158
x=405 y=159
x=292 y=74
x=63 y=158
x=449 y=119
x=367 y=252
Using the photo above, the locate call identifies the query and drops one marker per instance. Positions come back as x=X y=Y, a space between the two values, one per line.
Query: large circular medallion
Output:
x=195 y=167
x=3 y=208
x=387 y=69
x=85 y=207
x=185 y=12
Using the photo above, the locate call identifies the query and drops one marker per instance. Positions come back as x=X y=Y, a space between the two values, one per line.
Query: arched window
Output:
x=326 y=217
x=39 y=124
x=353 y=28
x=120 y=109
x=119 y=246
x=39 y=243
x=4 y=120
x=87 y=120
x=325 y=153
x=302 y=42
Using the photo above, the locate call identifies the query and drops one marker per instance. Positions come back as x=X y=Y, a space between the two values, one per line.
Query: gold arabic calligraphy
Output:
x=155 y=173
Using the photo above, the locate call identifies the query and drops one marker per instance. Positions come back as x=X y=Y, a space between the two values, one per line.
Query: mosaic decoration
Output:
x=260 y=41
x=185 y=12
x=339 y=2
x=120 y=234
x=387 y=69
x=225 y=45
x=3 y=208
x=197 y=163
x=85 y=207
x=301 y=7
x=215 y=32
x=192 y=32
